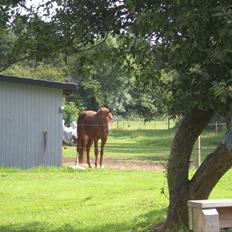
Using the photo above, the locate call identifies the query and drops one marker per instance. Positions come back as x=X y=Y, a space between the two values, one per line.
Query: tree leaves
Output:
x=188 y=40
x=223 y=91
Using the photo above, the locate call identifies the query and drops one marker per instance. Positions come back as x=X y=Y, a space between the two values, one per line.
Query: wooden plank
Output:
x=206 y=220
x=210 y=221
x=197 y=220
x=204 y=204
x=190 y=212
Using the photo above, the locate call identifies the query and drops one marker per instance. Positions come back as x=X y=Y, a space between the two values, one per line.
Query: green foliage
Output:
x=6 y=10
x=38 y=71
x=155 y=39
x=223 y=91
x=102 y=77
x=188 y=40
x=70 y=112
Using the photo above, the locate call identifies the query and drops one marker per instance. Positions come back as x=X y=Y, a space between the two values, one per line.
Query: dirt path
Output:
x=122 y=164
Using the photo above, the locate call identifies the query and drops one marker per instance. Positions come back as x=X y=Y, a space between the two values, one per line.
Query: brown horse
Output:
x=92 y=126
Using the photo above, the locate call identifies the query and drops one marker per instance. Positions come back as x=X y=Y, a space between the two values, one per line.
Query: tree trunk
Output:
x=210 y=172
x=200 y=186
x=178 y=183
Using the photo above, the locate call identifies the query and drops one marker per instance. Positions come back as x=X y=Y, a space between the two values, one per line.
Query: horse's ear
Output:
x=100 y=110
x=110 y=110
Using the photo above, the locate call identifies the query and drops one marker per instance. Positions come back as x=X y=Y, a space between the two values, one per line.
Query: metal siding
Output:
x=25 y=112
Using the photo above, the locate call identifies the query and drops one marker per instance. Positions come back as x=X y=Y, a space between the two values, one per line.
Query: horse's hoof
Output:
x=102 y=166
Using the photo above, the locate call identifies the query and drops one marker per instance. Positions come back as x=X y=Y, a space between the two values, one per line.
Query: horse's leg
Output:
x=103 y=142
x=80 y=150
x=90 y=142
x=77 y=151
x=96 y=151
x=77 y=160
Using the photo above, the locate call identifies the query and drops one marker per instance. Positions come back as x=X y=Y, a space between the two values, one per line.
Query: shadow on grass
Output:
x=141 y=223
x=147 y=221
x=42 y=227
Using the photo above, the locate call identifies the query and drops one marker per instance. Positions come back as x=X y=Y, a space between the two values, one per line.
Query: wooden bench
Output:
x=210 y=215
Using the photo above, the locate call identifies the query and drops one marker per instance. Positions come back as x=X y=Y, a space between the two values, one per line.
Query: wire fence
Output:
x=141 y=124
x=156 y=138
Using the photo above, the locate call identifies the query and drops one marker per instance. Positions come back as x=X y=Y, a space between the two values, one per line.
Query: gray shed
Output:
x=31 y=121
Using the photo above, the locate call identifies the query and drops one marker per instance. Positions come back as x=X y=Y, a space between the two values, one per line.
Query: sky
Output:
x=36 y=3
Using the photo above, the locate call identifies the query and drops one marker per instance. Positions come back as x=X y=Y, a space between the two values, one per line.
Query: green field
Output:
x=90 y=201
x=148 y=144
x=96 y=200
x=93 y=200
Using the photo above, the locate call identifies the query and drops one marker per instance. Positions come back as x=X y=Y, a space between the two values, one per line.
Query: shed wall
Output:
x=25 y=113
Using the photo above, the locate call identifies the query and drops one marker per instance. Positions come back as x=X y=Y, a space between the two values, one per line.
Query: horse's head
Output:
x=106 y=118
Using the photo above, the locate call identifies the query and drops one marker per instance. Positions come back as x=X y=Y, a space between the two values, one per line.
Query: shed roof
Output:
x=67 y=87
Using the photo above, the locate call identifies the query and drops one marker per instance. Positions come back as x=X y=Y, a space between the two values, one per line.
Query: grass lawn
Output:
x=92 y=200
x=96 y=200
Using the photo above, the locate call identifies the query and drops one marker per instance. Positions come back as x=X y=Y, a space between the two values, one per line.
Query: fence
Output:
x=218 y=129
x=218 y=126
x=151 y=141
x=141 y=124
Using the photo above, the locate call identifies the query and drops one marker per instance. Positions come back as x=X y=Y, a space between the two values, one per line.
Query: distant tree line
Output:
x=103 y=77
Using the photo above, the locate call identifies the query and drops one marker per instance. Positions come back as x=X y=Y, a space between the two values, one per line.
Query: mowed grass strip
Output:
x=92 y=200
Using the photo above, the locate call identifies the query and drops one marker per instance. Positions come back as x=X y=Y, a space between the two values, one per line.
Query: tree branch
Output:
x=89 y=48
x=7 y=65
x=209 y=173
x=219 y=161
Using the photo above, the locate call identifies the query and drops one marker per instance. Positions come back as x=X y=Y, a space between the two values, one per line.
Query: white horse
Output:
x=69 y=133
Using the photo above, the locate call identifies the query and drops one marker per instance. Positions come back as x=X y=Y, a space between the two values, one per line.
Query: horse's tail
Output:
x=82 y=142
x=81 y=146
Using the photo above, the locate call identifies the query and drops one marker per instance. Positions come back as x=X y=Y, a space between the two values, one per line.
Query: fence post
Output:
x=198 y=152
x=216 y=127
x=168 y=123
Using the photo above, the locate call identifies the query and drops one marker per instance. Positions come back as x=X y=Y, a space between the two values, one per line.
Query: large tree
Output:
x=189 y=41
x=182 y=53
